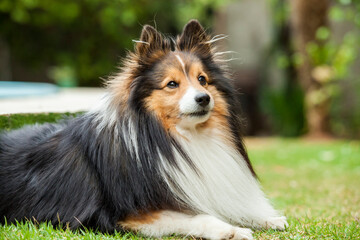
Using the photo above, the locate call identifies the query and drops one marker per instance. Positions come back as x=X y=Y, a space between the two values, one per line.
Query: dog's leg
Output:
x=276 y=223
x=162 y=223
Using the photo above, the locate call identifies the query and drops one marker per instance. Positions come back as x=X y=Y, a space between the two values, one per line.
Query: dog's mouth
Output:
x=196 y=114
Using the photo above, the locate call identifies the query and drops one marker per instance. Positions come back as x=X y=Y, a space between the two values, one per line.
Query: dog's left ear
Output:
x=194 y=38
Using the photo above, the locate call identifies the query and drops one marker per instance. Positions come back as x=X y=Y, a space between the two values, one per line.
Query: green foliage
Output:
x=200 y=9
x=340 y=57
x=333 y=62
x=346 y=107
x=64 y=76
x=323 y=33
x=281 y=98
x=285 y=109
x=89 y=36
x=345 y=110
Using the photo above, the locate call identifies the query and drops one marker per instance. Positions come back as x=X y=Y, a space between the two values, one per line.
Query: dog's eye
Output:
x=172 y=84
x=202 y=80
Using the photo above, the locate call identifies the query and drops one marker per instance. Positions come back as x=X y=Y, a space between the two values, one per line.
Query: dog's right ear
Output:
x=194 y=38
x=150 y=40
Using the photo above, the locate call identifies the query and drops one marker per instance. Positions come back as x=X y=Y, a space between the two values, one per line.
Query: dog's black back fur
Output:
x=70 y=173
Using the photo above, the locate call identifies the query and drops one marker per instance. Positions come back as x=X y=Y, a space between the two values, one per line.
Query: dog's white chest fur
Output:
x=221 y=183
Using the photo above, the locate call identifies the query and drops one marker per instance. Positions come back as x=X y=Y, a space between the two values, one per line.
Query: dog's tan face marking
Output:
x=179 y=78
x=174 y=101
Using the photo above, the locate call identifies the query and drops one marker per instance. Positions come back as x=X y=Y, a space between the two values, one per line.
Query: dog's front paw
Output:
x=232 y=233
x=277 y=223
x=243 y=233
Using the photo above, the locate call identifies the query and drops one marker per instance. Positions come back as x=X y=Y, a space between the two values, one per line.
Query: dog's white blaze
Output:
x=223 y=187
x=182 y=63
x=187 y=103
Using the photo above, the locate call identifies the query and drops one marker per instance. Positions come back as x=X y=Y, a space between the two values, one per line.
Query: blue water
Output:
x=25 y=89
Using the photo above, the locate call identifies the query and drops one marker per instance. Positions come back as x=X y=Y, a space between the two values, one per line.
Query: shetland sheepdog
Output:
x=161 y=153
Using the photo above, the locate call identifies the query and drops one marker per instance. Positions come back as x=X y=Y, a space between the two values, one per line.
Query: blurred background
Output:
x=295 y=62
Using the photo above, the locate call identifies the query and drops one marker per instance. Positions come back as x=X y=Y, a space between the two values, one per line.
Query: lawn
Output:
x=315 y=183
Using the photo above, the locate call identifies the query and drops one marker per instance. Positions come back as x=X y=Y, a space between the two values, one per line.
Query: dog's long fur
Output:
x=147 y=158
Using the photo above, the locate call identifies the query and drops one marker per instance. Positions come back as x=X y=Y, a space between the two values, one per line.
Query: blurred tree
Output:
x=328 y=60
x=308 y=16
x=5 y=73
x=281 y=97
x=88 y=36
x=342 y=54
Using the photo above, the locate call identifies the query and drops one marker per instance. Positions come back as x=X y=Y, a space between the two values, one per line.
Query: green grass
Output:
x=14 y=121
x=315 y=184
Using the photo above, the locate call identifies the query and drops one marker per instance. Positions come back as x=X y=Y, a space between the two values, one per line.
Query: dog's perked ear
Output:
x=194 y=39
x=150 y=41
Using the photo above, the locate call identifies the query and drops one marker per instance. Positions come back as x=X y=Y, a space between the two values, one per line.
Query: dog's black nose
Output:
x=202 y=99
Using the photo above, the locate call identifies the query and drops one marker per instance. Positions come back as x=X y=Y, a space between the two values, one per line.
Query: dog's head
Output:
x=178 y=80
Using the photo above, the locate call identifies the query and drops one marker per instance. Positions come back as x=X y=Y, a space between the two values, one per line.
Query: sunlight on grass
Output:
x=317 y=184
